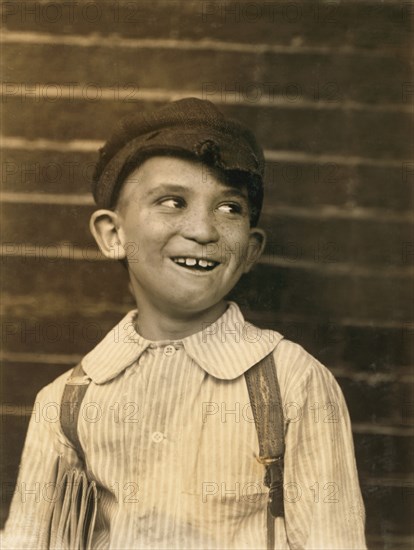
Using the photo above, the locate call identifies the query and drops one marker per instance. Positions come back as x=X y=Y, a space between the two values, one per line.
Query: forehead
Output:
x=193 y=175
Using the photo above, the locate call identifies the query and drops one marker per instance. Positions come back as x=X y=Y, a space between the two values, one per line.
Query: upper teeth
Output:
x=194 y=261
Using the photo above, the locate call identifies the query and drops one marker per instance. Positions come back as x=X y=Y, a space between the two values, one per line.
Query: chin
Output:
x=194 y=306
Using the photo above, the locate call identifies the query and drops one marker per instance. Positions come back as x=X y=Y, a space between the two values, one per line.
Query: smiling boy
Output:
x=174 y=449
x=178 y=218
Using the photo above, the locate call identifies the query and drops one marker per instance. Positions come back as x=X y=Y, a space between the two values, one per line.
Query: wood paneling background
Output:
x=328 y=88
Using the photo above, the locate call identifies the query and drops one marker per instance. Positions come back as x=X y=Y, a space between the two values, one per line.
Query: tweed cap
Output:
x=189 y=126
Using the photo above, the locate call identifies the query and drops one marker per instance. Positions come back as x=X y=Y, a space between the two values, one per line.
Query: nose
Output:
x=200 y=226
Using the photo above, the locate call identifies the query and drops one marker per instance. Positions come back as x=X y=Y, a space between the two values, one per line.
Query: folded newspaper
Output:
x=69 y=520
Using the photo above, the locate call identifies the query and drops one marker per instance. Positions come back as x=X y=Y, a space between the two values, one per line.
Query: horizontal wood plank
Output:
x=303 y=24
x=297 y=128
x=226 y=77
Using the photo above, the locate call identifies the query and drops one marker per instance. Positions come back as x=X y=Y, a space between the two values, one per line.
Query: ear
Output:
x=257 y=242
x=104 y=227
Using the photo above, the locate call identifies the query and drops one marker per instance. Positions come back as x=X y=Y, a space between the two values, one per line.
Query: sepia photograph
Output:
x=207 y=259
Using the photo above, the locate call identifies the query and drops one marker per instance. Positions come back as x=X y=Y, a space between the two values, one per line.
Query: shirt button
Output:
x=157 y=437
x=169 y=350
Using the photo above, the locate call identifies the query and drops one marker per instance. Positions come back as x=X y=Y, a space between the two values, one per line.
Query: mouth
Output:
x=195 y=264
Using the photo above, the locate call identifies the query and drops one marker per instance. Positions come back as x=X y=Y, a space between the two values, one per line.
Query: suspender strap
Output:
x=72 y=398
x=266 y=403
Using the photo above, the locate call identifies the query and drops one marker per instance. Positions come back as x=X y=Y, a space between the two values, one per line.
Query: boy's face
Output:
x=186 y=234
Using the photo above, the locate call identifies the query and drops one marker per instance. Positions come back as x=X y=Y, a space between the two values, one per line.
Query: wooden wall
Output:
x=328 y=88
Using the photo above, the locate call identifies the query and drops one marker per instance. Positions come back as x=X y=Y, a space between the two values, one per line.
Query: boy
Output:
x=166 y=430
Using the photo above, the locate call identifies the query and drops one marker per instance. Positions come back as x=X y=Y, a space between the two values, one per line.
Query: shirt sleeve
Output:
x=323 y=503
x=45 y=445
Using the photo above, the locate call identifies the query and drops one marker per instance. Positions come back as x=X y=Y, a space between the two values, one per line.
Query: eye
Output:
x=230 y=208
x=172 y=202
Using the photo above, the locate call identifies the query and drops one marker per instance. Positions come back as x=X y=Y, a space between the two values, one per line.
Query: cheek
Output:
x=145 y=228
x=236 y=241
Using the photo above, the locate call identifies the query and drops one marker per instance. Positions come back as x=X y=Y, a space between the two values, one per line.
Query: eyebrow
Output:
x=235 y=191
x=168 y=188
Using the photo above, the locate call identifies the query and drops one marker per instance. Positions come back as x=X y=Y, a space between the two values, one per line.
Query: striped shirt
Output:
x=169 y=437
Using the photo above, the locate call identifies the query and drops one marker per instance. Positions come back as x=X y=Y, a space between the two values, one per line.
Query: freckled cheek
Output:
x=233 y=231
x=150 y=229
x=235 y=242
x=159 y=226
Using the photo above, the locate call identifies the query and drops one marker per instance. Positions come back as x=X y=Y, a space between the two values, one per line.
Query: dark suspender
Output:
x=73 y=395
x=266 y=403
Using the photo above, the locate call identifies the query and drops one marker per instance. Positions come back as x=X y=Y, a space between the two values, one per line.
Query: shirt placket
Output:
x=157 y=443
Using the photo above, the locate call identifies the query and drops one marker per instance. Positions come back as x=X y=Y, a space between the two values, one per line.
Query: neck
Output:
x=154 y=324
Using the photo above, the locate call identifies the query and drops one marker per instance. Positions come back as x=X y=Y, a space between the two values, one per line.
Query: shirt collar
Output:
x=228 y=347
x=121 y=347
x=225 y=349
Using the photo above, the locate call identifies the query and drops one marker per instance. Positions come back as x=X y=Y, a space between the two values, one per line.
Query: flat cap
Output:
x=188 y=126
